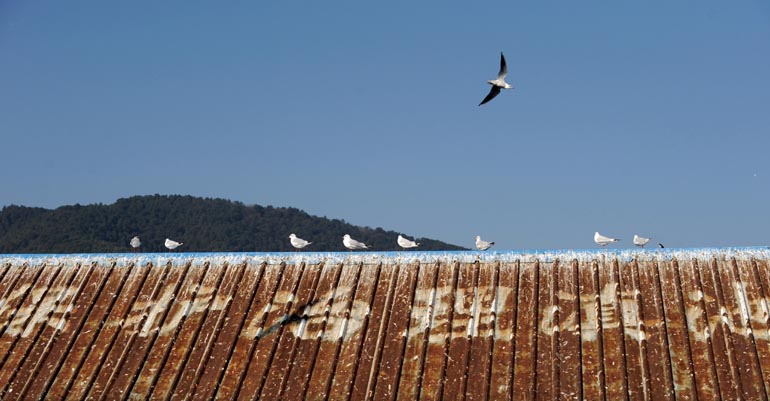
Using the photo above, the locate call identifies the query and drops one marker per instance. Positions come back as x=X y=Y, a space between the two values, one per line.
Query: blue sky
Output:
x=629 y=117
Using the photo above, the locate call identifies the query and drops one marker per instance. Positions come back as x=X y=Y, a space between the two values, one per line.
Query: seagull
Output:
x=499 y=83
x=602 y=240
x=172 y=244
x=352 y=244
x=135 y=243
x=297 y=242
x=483 y=245
x=641 y=241
x=405 y=243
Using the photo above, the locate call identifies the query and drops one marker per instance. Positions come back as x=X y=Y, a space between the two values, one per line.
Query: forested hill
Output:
x=202 y=224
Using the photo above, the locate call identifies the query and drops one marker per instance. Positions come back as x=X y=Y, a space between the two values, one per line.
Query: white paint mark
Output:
x=343 y=326
x=740 y=294
x=473 y=330
x=299 y=329
x=589 y=327
x=173 y=321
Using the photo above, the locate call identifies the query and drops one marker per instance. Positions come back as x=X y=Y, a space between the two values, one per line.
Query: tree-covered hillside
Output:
x=202 y=224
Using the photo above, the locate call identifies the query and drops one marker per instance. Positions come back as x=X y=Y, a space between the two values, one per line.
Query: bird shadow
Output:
x=287 y=320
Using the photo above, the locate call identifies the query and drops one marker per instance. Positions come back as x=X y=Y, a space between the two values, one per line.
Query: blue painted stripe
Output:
x=390 y=257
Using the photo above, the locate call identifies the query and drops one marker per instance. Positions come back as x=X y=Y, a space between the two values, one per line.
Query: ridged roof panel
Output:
x=673 y=326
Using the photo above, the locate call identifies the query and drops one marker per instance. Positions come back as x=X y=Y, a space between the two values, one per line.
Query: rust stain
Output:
x=310 y=331
x=570 y=386
x=330 y=342
x=419 y=325
x=697 y=331
x=456 y=379
x=504 y=308
x=525 y=349
x=547 y=366
x=562 y=329
x=590 y=332
x=438 y=333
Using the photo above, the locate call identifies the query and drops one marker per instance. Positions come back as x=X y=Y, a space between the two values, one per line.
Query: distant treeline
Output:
x=202 y=224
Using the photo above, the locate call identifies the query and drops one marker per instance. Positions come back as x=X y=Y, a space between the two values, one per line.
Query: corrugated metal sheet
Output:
x=602 y=329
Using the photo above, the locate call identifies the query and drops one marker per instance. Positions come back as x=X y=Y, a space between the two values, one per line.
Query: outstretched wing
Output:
x=492 y=93
x=503 y=67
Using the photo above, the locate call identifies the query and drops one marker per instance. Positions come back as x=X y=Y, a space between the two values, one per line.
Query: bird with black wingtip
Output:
x=499 y=83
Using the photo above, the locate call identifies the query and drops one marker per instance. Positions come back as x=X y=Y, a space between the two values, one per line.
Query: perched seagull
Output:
x=172 y=244
x=602 y=240
x=352 y=244
x=405 y=243
x=297 y=242
x=135 y=243
x=499 y=83
x=641 y=241
x=661 y=245
x=483 y=245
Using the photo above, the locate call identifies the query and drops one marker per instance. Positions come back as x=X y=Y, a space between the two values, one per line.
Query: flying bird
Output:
x=602 y=240
x=499 y=83
x=483 y=245
x=170 y=244
x=135 y=242
x=641 y=241
x=352 y=244
x=297 y=242
x=405 y=243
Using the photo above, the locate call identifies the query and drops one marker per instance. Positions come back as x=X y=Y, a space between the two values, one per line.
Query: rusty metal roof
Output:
x=597 y=329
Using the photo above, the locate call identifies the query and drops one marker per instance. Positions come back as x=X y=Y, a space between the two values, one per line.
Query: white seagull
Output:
x=135 y=242
x=172 y=244
x=483 y=245
x=499 y=83
x=405 y=243
x=641 y=241
x=297 y=242
x=602 y=240
x=352 y=244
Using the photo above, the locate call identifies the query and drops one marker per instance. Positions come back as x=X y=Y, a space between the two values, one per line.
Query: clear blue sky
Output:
x=626 y=117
